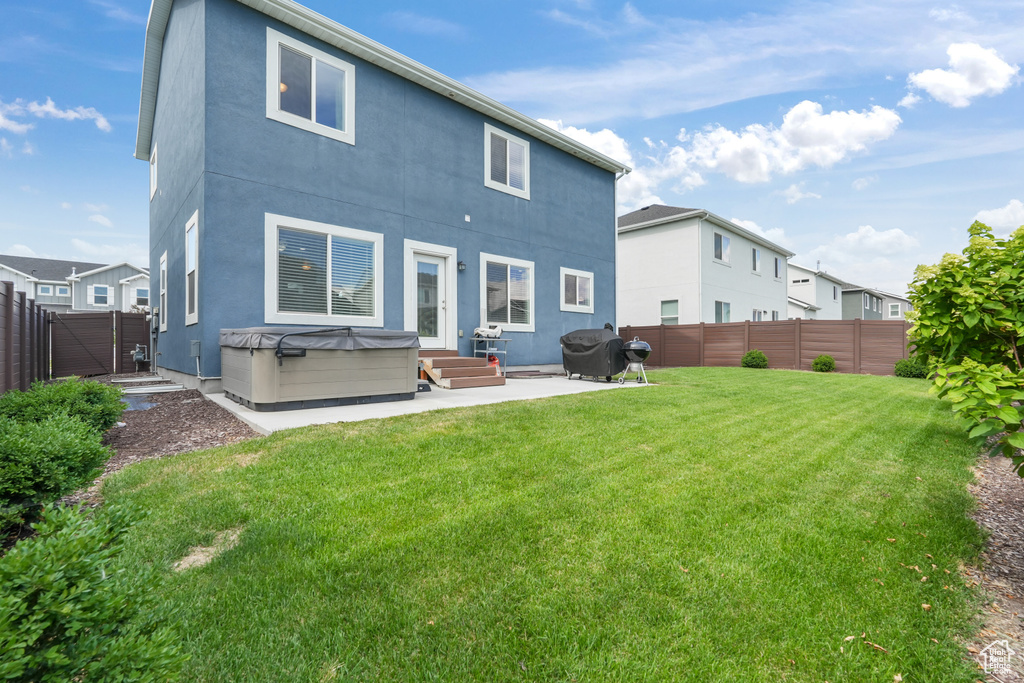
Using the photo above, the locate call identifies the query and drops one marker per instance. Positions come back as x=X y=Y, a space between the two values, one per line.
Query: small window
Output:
x=44 y=290
x=322 y=274
x=577 y=291
x=670 y=312
x=100 y=295
x=506 y=293
x=835 y=293
x=506 y=162
x=310 y=89
x=867 y=301
x=63 y=291
x=722 y=248
x=192 y=270
x=756 y=316
x=152 y=174
x=722 y=313
x=163 y=292
x=142 y=296
x=775 y=315
x=755 y=260
x=778 y=268
x=894 y=310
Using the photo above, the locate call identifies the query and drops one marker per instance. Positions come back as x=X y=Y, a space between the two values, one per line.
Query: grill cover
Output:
x=595 y=353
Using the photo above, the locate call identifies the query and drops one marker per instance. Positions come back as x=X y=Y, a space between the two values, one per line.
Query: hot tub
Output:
x=287 y=368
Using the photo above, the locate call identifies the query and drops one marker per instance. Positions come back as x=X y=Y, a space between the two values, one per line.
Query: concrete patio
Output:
x=514 y=390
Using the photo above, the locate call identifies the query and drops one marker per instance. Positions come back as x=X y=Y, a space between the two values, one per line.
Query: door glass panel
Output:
x=427 y=299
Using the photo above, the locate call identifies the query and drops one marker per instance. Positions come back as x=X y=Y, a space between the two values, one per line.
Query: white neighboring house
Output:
x=684 y=266
x=894 y=306
x=71 y=286
x=814 y=294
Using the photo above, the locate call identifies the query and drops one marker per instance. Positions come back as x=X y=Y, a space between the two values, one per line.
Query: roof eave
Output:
x=707 y=215
x=344 y=38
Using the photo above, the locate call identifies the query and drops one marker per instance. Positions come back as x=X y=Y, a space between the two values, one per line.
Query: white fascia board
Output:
x=716 y=220
x=15 y=270
x=127 y=280
x=79 y=276
x=803 y=304
x=344 y=38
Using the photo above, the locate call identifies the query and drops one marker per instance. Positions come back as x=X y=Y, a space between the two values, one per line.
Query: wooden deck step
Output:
x=458 y=362
x=476 y=371
x=483 y=381
x=453 y=372
x=438 y=353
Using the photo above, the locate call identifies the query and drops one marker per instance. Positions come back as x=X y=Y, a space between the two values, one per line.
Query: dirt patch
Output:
x=1000 y=495
x=175 y=422
x=203 y=554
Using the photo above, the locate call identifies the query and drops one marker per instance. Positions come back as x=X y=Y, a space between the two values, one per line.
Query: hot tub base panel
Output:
x=319 y=402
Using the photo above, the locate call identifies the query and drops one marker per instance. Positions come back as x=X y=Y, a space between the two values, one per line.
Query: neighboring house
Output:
x=823 y=293
x=64 y=286
x=862 y=302
x=895 y=307
x=680 y=266
x=303 y=174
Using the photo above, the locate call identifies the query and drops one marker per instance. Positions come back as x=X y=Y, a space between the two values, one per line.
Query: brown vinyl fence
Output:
x=98 y=343
x=24 y=348
x=869 y=347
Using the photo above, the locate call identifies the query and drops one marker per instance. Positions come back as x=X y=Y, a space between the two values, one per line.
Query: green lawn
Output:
x=727 y=525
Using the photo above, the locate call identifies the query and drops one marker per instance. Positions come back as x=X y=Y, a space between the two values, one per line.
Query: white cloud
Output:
x=115 y=11
x=807 y=137
x=19 y=250
x=795 y=193
x=863 y=183
x=113 y=253
x=28 y=148
x=48 y=109
x=777 y=235
x=909 y=100
x=101 y=219
x=1003 y=220
x=973 y=71
x=410 y=22
x=871 y=258
x=8 y=124
x=865 y=243
x=949 y=14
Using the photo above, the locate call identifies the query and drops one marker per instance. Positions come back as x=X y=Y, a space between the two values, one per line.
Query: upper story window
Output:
x=163 y=292
x=894 y=310
x=867 y=302
x=310 y=89
x=835 y=293
x=318 y=273
x=142 y=296
x=577 y=291
x=506 y=162
x=152 y=173
x=506 y=293
x=63 y=291
x=778 y=268
x=722 y=247
x=755 y=260
x=99 y=295
x=44 y=290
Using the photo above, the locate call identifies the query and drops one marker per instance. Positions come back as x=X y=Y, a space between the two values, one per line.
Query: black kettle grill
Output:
x=636 y=352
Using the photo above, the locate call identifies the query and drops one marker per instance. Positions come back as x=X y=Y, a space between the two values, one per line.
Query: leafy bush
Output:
x=824 y=363
x=68 y=614
x=97 y=404
x=968 y=313
x=909 y=367
x=42 y=461
x=754 y=359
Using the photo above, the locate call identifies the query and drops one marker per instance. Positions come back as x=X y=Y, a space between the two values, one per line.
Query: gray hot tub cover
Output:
x=340 y=338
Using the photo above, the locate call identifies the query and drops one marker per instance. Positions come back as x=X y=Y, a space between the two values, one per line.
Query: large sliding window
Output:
x=322 y=274
x=310 y=89
x=506 y=293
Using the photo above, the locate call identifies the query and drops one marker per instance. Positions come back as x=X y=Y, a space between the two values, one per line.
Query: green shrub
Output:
x=910 y=367
x=67 y=613
x=754 y=359
x=824 y=363
x=42 y=461
x=97 y=404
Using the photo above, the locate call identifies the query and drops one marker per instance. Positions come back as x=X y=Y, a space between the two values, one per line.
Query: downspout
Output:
x=615 y=233
x=700 y=272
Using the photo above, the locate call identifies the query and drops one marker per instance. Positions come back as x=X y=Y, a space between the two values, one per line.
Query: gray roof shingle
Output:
x=651 y=213
x=45 y=268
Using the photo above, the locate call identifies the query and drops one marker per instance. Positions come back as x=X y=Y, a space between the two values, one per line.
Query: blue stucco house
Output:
x=301 y=173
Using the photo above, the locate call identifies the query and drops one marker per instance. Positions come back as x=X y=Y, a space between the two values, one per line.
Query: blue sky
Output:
x=865 y=135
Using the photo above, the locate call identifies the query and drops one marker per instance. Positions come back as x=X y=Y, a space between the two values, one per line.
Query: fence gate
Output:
x=87 y=344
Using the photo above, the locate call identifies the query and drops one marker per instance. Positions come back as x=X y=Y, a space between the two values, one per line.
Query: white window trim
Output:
x=135 y=296
x=778 y=268
x=502 y=187
x=726 y=259
x=192 y=319
x=664 y=317
x=507 y=327
x=66 y=290
x=163 y=292
x=575 y=308
x=755 y=251
x=91 y=294
x=270 y=313
x=40 y=290
x=274 y=40
x=897 y=311
x=152 y=174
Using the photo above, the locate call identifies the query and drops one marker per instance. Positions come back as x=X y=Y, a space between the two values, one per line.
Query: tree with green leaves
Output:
x=968 y=323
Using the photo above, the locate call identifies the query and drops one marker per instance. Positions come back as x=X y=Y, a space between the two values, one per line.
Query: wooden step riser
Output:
x=467 y=382
x=457 y=362
x=438 y=353
x=466 y=372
